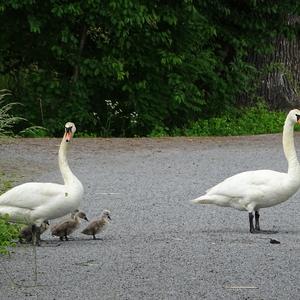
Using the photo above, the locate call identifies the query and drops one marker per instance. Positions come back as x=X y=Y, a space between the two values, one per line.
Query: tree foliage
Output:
x=124 y=67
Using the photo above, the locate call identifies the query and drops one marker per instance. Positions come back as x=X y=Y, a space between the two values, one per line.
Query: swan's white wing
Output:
x=249 y=190
x=249 y=183
x=32 y=195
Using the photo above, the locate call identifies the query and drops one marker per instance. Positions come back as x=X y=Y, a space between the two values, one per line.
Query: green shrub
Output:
x=252 y=120
x=7 y=120
x=161 y=63
x=34 y=131
x=246 y=121
x=159 y=131
x=8 y=233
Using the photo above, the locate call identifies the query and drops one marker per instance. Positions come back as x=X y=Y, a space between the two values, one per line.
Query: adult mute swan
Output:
x=253 y=190
x=34 y=202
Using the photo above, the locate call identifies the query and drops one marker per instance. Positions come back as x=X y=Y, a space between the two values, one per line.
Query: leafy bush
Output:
x=7 y=121
x=159 y=131
x=246 y=121
x=34 y=131
x=165 y=63
x=8 y=233
x=252 y=120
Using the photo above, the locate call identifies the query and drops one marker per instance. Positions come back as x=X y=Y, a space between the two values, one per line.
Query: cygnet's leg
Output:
x=66 y=236
x=257 y=227
x=95 y=238
x=35 y=235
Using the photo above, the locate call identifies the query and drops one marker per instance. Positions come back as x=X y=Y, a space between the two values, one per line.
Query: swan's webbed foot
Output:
x=266 y=231
x=257 y=229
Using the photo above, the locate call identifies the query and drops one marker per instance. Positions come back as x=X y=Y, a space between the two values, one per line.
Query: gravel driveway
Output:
x=158 y=245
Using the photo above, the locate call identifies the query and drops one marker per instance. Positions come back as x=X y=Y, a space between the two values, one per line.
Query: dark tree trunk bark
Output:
x=81 y=46
x=280 y=81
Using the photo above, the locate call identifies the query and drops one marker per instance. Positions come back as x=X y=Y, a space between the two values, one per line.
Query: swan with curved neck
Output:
x=253 y=190
x=34 y=202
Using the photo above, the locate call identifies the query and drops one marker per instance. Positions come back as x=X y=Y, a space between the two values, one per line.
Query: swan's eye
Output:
x=68 y=129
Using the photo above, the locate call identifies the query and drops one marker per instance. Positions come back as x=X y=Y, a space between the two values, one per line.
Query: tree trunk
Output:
x=280 y=82
x=81 y=46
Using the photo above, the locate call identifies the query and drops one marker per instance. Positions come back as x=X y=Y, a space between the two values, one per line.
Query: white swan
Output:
x=253 y=190
x=34 y=202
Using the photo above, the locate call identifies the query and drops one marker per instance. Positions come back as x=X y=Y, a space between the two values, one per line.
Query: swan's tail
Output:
x=206 y=199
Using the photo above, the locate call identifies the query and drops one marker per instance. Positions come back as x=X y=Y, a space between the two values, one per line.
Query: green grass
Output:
x=247 y=121
x=34 y=132
x=7 y=120
x=8 y=232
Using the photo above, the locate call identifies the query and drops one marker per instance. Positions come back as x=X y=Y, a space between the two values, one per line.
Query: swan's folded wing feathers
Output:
x=248 y=183
x=31 y=195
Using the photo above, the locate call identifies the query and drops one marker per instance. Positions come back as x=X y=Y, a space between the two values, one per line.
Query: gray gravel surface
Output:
x=158 y=245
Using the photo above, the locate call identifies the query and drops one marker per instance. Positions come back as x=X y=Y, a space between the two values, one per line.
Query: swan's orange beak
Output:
x=68 y=136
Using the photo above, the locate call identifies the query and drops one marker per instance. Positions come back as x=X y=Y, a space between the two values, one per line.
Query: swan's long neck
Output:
x=68 y=176
x=289 y=148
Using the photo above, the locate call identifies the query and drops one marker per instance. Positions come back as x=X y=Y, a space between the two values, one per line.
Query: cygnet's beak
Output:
x=109 y=217
x=86 y=218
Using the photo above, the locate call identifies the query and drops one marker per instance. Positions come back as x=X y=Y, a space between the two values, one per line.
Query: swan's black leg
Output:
x=257 y=227
x=94 y=237
x=252 y=230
